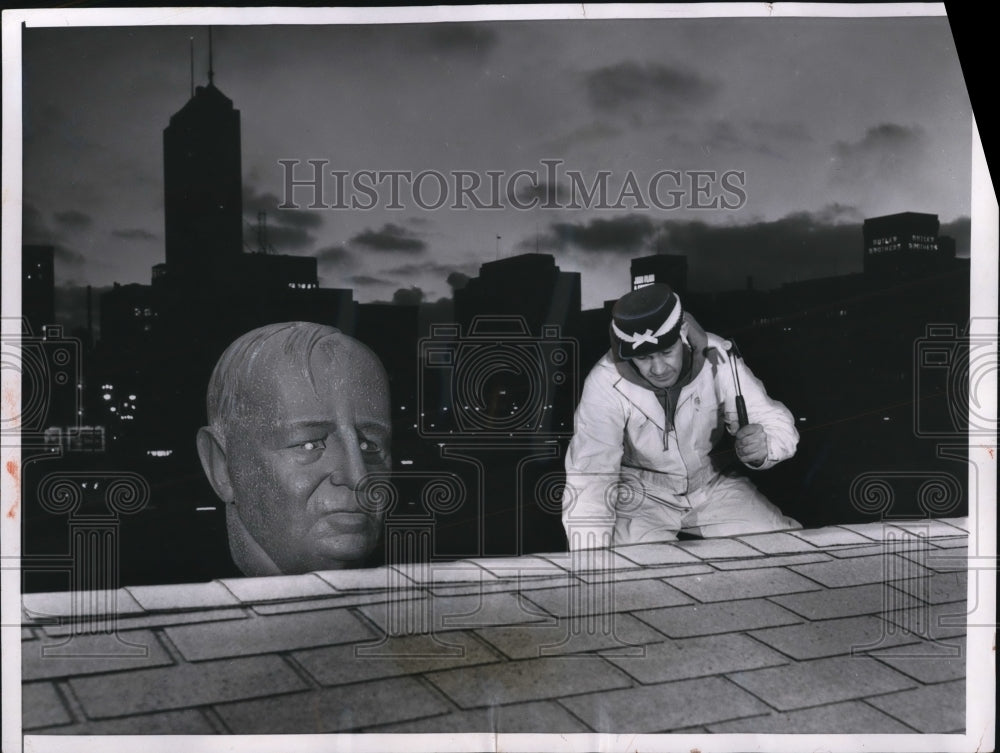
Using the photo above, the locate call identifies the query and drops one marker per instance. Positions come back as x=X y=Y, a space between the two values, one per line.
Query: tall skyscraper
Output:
x=203 y=181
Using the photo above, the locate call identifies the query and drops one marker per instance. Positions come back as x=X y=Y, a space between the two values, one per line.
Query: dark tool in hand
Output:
x=741 y=405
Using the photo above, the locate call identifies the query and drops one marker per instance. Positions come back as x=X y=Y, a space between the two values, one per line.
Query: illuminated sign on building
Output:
x=904 y=243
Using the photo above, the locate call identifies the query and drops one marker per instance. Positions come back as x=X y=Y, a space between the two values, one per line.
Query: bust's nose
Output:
x=346 y=465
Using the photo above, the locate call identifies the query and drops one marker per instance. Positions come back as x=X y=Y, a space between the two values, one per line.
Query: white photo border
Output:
x=980 y=686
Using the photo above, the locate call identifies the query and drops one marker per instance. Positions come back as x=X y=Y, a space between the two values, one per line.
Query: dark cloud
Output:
x=282 y=238
x=887 y=151
x=333 y=254
x=461 y=38
x=797 y=247
x=34 y=228
x=365 y=280
x=405 y=270
x=457 y=280
x=836 y=212
x=390 y=237
x=296 y=217
x=64 y=255
x=254 y=202
x=453 y=274
x=287 y=229
x=36 y=231
x=73 y=219
x=408 y=296
x=625 y=234
x=432 y=267
x=800 y=246
x=134 y=234
x=961 y=230
x=630 y=83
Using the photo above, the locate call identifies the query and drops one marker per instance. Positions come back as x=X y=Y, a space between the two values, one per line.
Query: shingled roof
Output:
x=854 y=628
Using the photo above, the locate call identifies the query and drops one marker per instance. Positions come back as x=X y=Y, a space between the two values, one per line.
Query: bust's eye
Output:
x=312 y=444
x=370 y=450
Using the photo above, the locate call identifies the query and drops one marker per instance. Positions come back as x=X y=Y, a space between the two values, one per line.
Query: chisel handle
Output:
x=741 y=411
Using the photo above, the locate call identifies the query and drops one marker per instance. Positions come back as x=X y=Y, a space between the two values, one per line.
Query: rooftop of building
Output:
x=843 y=629
x=206 y=100
x=902 y=218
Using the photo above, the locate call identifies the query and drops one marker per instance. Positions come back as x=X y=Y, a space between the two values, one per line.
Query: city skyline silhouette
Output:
x=866 y=154
x=145 y=375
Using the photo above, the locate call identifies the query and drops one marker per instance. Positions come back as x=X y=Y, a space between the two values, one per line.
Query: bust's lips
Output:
x=343 y=522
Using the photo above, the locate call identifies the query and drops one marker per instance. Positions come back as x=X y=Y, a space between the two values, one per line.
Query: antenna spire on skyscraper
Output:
x=211 y=73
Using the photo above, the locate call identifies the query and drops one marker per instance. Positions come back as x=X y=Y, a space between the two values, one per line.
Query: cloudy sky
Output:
x=829 y=120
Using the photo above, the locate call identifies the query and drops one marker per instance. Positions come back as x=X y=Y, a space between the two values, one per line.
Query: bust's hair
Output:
x=235 y=376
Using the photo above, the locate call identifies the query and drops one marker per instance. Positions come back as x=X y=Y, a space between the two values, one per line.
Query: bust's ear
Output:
x=213 y=461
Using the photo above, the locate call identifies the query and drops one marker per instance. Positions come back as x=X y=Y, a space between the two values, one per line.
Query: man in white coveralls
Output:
x=639 y=467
